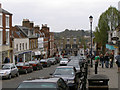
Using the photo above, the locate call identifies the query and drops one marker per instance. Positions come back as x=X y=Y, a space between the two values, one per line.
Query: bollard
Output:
x=96 y=66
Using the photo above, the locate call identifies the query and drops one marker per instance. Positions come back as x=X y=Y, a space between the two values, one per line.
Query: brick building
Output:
x=5 y=34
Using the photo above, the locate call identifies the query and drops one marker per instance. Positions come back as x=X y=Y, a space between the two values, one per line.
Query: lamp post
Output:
x=91 y=20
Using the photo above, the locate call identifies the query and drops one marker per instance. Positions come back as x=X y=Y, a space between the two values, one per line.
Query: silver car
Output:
x=9 y=70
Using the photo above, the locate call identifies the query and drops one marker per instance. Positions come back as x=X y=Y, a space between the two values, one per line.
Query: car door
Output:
x=27 y=66
x=15 y=70
x=12 y=70
x=62 y=85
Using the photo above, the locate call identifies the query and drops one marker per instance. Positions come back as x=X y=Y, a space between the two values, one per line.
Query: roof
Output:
x=8 y=64
x=45 y=79
x=26 y=31
x=4 y=11
x=65 y=67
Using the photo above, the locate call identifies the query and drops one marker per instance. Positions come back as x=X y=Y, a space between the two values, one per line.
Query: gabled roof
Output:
x=4 y=11
x=26 y=31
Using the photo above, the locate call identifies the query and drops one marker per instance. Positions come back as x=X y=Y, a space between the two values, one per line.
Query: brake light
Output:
x=45 y=62
x=24 y=67
x=34 y=64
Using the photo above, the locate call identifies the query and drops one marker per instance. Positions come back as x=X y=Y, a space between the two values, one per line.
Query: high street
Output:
x=14 y=82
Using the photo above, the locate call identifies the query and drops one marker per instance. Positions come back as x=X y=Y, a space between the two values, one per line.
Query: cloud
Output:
x=58 y=14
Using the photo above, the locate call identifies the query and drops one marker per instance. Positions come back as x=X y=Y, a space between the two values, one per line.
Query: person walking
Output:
x=7 y=60
x=102 y=60
x=111 y=59
x=107 y=60
x=118 y=61
x=97 y=58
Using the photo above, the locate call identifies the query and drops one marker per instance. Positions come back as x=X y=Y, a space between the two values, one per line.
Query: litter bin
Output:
x=98 y=82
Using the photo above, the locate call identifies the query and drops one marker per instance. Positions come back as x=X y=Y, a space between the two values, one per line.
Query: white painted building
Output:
x=21 y=49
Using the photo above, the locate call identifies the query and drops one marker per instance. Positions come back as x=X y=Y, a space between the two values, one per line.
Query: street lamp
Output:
x=91 y=20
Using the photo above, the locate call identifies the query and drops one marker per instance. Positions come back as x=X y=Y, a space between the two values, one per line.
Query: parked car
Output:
x=64 y=61
x=24 y=67
x=9 y=70
x=44 y=84
x=75 y=64
x=45 y=62
x=68 y=73
x=53 y=61
x=36 y=65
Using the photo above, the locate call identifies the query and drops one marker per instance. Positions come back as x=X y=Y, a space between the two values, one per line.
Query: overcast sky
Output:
x=58 y=14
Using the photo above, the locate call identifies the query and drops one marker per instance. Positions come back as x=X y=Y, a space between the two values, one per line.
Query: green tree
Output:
x=107 y=21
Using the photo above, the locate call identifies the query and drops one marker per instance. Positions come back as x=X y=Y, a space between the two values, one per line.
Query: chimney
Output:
x=0 y=5
x=26 y=23
x=31 y=24
x=37 y=27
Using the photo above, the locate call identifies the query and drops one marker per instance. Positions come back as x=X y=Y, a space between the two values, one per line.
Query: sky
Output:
x=58 y=14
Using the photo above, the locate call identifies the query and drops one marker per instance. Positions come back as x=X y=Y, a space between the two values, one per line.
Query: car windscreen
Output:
x=64 y=59
x=31 y=62
x=6 y=67
x=20 y=64
x=36 y=85
x=51 y=59
x=64 y=71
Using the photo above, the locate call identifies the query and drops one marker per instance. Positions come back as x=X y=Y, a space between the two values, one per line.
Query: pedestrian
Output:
x=102 y=60
x=7 y=60
x=111 y=59
x=20 y=60
x=97 y=58
x=118 y=61
x=107 y=60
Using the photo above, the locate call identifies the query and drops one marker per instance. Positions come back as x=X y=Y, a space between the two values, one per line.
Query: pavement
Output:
x=112 y=74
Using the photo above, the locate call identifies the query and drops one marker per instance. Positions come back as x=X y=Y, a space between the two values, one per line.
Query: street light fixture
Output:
x=91 y=20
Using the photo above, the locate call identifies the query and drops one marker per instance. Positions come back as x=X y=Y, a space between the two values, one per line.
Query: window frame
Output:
x=7 y=36
x=1 y=37
x=1 y=19
x=7 y=20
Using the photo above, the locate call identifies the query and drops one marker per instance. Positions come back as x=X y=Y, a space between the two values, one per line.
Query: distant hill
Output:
x=70 y=33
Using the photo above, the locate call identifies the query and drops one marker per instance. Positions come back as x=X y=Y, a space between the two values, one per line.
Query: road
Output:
x=14 y=82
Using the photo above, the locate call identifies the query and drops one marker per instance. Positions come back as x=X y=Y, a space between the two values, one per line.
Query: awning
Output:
x=5 y=48
x=22 y=52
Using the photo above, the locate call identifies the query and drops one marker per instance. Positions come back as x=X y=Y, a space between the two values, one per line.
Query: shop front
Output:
x=5 y=52
x=22 y=56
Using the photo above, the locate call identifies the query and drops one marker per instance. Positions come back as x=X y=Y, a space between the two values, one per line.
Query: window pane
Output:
x=7 y=36
x=0 y=20
x=0 y=37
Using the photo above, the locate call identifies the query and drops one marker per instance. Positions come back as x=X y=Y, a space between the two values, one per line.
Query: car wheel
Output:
x=17 y=74
x=26 y=72
x=9 y=77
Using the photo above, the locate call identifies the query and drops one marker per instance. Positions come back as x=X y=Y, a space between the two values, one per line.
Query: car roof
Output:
x=45 y=79
x=8 y=64
x=65 y=66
